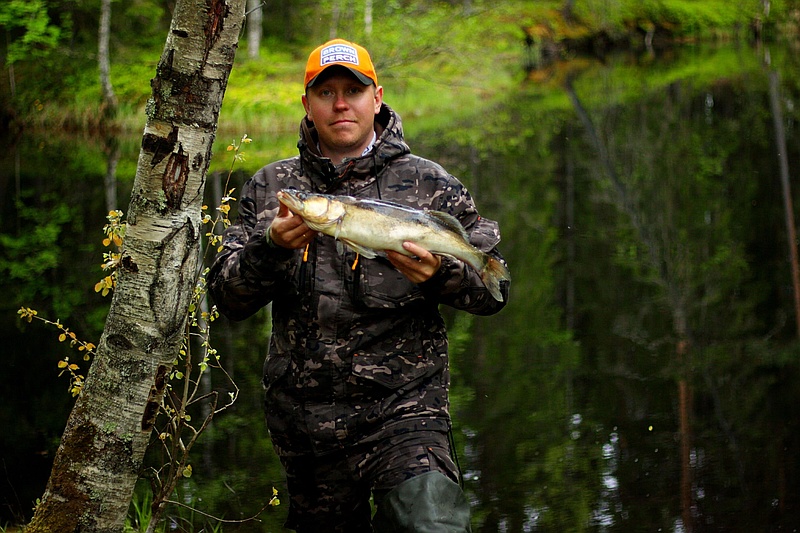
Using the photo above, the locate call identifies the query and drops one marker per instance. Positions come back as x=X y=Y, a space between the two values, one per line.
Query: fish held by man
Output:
x=369 y=226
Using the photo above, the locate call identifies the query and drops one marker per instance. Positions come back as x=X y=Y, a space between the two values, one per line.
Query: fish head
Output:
x=318 y=209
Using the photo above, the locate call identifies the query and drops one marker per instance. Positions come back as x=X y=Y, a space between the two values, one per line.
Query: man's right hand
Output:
x=289 y=230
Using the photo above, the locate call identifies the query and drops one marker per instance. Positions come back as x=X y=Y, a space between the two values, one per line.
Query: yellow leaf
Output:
x=187 y=472
x=62 y=364
x=106 y=241
x=73 y=366
x=62 y=337
x=26 y=313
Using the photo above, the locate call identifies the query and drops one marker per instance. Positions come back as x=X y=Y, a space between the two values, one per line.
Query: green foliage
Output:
x=33 y=255
x=35 y=34
x=470 y=50
x=140 y=512
x=43 y=227
x=682 y=17
x=33 y=252
x=143 y=23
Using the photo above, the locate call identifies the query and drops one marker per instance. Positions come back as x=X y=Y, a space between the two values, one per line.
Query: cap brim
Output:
x=362 y=78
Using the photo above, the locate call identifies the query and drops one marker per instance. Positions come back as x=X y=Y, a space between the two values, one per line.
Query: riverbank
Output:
x=467 y=54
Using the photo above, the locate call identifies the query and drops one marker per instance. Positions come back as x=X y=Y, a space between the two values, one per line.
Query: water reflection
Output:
x=644 y=376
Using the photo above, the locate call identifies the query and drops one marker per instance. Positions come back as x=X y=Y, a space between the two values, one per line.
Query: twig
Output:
x=253 y=518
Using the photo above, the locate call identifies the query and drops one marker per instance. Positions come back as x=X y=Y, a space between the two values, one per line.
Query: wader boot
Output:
x=427 y=503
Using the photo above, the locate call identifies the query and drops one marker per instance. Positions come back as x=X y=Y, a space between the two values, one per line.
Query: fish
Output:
x=369 y=226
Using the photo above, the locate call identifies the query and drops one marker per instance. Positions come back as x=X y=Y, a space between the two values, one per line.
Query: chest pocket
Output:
x=381 y=286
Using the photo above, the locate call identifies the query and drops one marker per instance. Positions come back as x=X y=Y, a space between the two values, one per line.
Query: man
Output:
x=357 y=374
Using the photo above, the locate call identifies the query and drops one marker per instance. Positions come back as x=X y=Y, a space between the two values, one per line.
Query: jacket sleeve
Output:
x=456 y=283
x=248 y=272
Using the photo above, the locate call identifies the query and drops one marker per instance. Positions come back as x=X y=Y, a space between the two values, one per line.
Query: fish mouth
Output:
x=291 y=199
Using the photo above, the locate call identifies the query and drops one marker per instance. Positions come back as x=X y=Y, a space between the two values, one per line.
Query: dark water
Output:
x=645 y=375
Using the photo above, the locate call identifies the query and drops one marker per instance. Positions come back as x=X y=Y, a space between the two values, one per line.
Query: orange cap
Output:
x=342 y=53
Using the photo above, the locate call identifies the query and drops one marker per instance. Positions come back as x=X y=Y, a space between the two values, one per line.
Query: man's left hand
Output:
x=416 y=269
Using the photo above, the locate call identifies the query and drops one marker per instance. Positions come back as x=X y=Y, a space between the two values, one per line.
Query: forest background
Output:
x=440 y=62
x=56 y=52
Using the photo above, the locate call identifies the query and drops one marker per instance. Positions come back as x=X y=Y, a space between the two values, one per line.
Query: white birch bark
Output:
x=103 y=446
x=254 y=25
x=368 y=17
x=104 y=59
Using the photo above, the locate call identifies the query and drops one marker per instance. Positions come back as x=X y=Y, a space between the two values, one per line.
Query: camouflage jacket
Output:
x=359 y=352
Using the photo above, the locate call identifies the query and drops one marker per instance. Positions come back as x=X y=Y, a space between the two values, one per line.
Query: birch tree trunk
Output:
x=368 y=17
x=254 y=27
x=335 y=13
x=103 y=445
x=104 y=60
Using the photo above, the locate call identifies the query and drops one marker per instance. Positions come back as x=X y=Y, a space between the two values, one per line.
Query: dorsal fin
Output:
x=449 y=222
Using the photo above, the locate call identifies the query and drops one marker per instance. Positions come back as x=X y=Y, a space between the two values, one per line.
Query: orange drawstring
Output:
x=354 y=263
x=305 y=254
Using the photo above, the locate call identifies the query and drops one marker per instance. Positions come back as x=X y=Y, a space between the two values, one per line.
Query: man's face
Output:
x=343 y=110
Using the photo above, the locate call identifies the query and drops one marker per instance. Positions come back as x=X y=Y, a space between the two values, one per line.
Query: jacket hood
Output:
x=389 y=145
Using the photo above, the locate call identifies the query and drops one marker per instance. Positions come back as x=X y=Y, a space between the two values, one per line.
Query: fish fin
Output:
x=348 y=200
x=492 y=273
x=444 y=254
x=366 y=252
x=449 y=222
x=339 y=247
x=321 y=226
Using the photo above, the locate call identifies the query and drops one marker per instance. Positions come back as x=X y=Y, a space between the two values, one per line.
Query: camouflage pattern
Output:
x=358 y=354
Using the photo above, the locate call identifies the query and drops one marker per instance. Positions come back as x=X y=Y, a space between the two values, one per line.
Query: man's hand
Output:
x=416 y=269
x=289 y=230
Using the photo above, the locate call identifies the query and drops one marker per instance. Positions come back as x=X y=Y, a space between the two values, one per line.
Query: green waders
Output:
x=427 y=503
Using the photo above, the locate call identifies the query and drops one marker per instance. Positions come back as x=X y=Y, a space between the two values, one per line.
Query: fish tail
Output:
x=492 y=273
